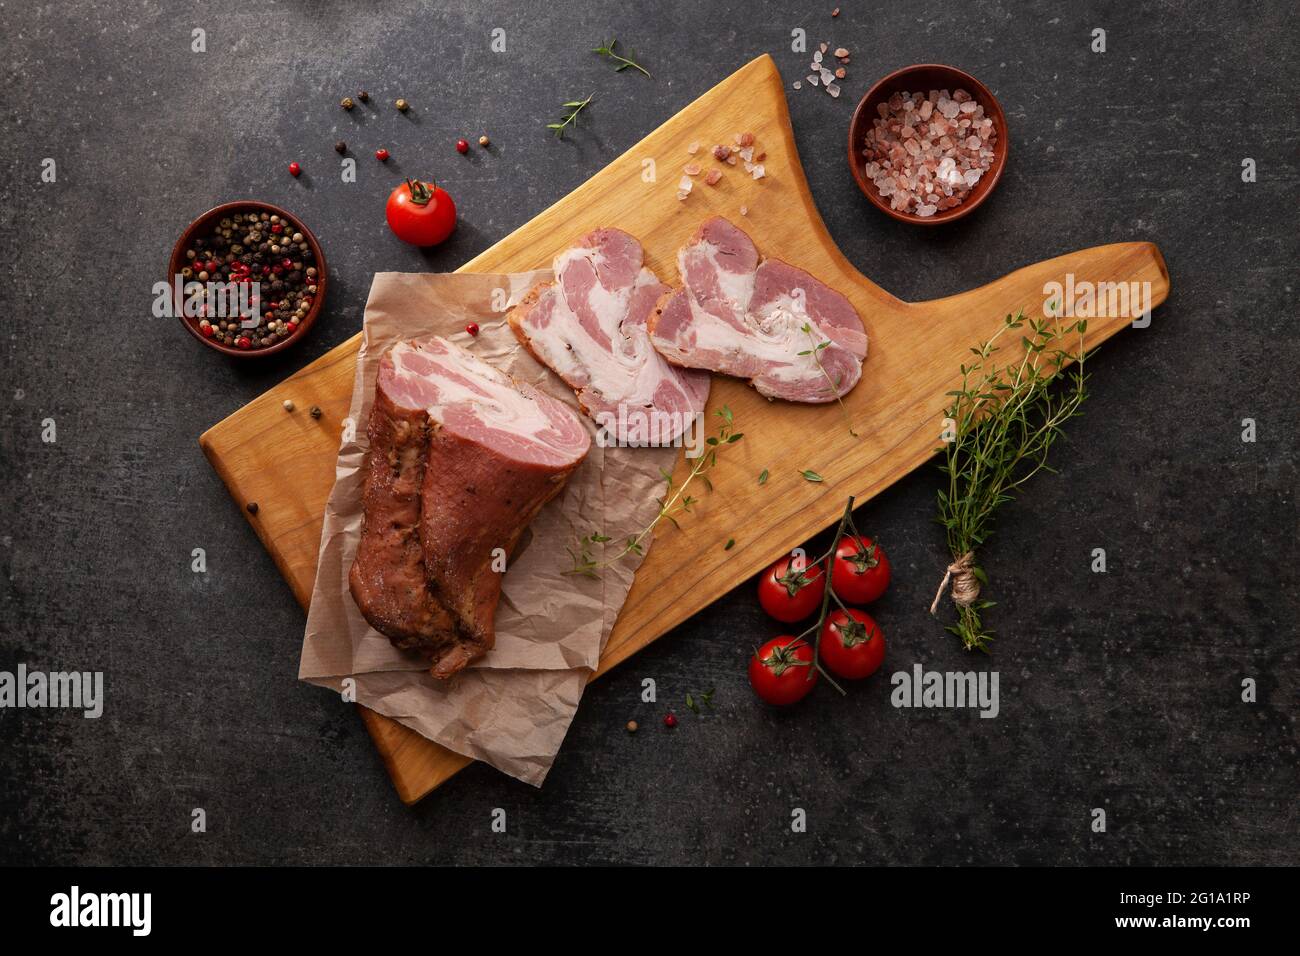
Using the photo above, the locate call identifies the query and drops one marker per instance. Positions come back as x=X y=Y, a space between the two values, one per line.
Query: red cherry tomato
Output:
x=852 y=644
x=421 y=213
x=860 y=573
x=782 y=671
x=790 y=593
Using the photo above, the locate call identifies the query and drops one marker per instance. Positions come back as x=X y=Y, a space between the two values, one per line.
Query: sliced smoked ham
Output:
x=744 y=317
x=461 y=459
x=589 y=327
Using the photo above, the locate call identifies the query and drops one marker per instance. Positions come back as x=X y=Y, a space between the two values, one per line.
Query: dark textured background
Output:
x=1119 y=690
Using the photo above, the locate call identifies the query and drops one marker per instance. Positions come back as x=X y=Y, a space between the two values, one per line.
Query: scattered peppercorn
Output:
x=294 y=169
x=315 y=411
x=363 y=96
x=631 y=726
x=252 y=507
x=381 y=154
x=288 y=405
x=670 y=721
x=402 y=105
x=340 y=147
x=462 y=146
x=347 y=103
x=484 y=141
x=472 y=328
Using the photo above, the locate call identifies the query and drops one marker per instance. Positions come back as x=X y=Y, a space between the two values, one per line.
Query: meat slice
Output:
x=589 y=327
x=790 y=334
x=461 y=459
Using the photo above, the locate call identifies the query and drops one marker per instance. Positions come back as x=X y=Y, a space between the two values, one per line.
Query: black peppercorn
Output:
x=252 y=507
x=340 y=147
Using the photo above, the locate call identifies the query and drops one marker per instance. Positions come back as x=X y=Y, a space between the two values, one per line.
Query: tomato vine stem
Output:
x=846 y=523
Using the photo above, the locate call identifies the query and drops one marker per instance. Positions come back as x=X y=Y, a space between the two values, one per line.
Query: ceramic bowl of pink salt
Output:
x=927 y=144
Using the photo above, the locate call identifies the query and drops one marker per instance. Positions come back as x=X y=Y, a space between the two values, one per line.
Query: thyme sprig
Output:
x=815 y=352
x=675 y=502
x=1001 y=424
x=608 y=50
x=570 y=118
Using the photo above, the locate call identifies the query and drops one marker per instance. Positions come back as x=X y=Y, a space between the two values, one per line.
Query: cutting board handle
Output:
x=1109 y=285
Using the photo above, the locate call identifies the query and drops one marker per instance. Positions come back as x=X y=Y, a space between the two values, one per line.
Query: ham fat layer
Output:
x=744 y=317
x=589 y=327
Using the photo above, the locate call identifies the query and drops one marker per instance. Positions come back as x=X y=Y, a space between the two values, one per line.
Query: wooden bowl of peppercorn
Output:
x=290 y=274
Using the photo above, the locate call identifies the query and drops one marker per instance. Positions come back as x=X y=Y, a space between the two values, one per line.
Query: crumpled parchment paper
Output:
x=512 y=708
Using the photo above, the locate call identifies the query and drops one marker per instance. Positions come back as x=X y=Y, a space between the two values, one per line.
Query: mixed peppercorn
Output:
x=265 y=248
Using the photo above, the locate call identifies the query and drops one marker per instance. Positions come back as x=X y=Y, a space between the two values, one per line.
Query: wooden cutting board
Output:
x=286 y=462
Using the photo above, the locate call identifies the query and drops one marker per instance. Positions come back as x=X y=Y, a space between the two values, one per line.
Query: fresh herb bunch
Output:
x=610 y=50
x=675 y=501
x=1002 y=422
x=570 y=118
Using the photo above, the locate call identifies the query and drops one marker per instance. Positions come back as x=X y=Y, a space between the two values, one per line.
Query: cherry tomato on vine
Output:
x=860 y=572
x=789 y=592
x=422 y=214
x=782 y=671
x=852 y=645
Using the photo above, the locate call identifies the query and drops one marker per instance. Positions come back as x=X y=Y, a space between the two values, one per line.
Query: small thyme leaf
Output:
x=625 y=61
x=571 y=118
x=731 y=543
x=762 y=478
x=811 y=475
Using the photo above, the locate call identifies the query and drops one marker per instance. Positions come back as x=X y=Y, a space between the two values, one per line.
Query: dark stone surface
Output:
x=1119 y=691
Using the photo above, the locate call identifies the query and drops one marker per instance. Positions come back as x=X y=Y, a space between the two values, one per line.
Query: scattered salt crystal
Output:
x=691 y=169
x=817 y=57
x=841 y=52
x=758 y=172
x=812 y=80
x=798 y=85
x=685 y=185
x=713 y=177
x=747 y=154
x=827 y=77
x=824 y=47
x=744 y=210
x=693 y=148
x=833 y=89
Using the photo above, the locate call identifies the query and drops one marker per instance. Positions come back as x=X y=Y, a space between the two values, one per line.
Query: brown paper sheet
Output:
x=513 y=708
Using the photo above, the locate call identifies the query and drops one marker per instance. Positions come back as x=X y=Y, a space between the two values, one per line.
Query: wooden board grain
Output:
x=286 y=462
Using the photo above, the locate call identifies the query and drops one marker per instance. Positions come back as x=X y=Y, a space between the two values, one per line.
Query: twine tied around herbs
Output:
x=965 y=586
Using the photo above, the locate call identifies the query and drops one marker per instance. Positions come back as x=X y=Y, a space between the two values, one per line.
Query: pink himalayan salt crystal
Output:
x=926 y=151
